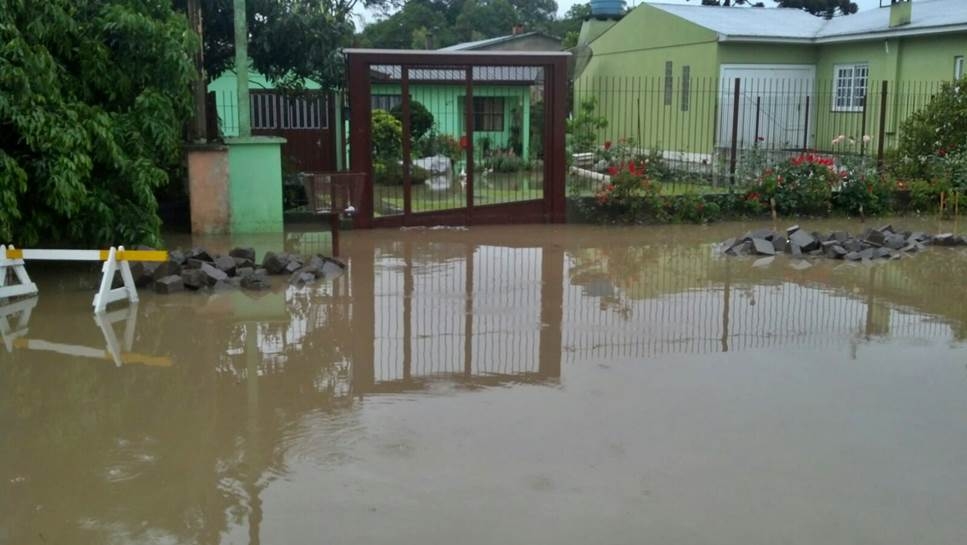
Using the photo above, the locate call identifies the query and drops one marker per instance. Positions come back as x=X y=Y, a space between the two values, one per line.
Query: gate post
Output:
x=360 y=131
x=735 y=133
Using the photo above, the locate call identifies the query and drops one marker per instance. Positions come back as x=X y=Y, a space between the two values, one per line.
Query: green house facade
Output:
x=502 y=99
x=665 y=74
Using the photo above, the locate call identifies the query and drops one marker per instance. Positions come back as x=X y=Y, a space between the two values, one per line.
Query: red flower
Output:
x=607 y=144
x=612 y=171
x=464 y=142
x=760 y=139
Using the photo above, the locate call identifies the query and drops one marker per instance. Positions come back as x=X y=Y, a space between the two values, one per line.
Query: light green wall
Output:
x=445 y=102
x=733 y=53
x=647 y=37
x=255 y=192
x=930 y=58
x=626 y=76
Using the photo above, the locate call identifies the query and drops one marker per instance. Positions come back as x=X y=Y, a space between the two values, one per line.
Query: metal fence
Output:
x=707 y=134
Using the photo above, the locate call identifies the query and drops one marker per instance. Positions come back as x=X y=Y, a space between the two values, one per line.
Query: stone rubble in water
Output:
x=201 y=270
x=882 y=243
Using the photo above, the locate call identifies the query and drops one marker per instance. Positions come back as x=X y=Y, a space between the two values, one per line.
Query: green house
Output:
x=665 y=74
x=502 y=100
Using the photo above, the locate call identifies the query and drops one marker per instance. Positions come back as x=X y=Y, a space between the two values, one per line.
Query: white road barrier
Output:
x=115 y=259
x=18 y=337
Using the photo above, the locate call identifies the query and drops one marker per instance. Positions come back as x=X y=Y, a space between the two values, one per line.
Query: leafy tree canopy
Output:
x=93 y=98
x=289 y=40
x=439 y=23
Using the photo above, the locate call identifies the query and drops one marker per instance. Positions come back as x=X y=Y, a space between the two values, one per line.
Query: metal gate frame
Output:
x=550 y=209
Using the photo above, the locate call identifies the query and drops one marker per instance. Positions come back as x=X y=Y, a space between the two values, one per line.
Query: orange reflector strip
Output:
x=137 y=255
x=15 y=254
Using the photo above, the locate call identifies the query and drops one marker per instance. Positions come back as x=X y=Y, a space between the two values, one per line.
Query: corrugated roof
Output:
x=927 y=14
x=757 y=22
x=784 y=24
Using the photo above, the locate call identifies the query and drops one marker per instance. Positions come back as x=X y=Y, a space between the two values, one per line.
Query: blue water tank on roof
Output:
x=607 y=8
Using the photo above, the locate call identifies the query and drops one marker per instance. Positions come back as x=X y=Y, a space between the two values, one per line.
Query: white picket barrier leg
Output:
x=25 y=286
x=106 y=295
x=7 y=312
x=106 y=323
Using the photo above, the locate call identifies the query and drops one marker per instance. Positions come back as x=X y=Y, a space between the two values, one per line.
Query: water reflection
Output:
x=251 y=383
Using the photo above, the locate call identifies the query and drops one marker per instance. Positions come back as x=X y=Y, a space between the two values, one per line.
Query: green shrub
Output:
x=506 y=161
x=691 y=207
x=583 y=128
x=925 y=194
x=800 y=186
x=391 y=173
x=938 y=129
x=421 y=120
x=862 y=190
x=433 y=143
x=387 y=135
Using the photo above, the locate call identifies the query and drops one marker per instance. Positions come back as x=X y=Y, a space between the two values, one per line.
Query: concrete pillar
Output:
x=255 y=195
x=208 y=189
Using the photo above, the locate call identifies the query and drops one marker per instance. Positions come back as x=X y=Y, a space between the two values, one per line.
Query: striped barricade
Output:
x=115 y=259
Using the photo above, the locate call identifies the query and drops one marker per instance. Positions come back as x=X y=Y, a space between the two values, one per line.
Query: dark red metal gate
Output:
x=493 y=153
x=305 y=121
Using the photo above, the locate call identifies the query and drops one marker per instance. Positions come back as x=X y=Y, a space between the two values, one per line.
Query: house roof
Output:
x=792 y=25
x=484 y=44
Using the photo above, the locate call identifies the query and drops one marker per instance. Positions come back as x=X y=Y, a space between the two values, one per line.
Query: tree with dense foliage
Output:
x=289 y=40
x=569 y=27
x=94 y=95
x=821 y=8
x=439 y=23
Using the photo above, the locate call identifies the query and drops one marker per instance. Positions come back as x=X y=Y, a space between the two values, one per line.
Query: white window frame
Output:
x=958 y=67
x=850 y=85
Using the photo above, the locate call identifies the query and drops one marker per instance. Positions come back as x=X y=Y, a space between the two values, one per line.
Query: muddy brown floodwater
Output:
x=532 y=385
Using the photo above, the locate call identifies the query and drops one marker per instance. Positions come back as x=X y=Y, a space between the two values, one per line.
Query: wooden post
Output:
x=882 y=131
x=758 y=113
x=407 y=143
x=805 y=130
x=733 y=159
x=468 y=126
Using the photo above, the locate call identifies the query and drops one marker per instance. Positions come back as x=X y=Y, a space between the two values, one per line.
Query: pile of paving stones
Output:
x=199 y=269
x=882 y=243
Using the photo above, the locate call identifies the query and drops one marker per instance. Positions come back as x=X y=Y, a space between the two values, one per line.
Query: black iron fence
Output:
x=709 y=134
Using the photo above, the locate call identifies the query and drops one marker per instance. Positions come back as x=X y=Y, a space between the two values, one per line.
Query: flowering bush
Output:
x=862 y=190
x=937 y=129
x=630 y=191
x=801 y=185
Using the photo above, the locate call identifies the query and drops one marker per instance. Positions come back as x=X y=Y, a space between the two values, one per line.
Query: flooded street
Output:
x=527 y=384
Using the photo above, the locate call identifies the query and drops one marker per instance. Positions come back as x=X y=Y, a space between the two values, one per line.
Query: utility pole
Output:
x=241 y=70
x=199 y=91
